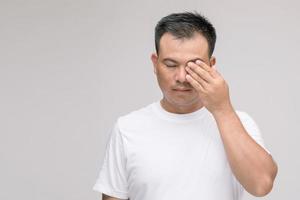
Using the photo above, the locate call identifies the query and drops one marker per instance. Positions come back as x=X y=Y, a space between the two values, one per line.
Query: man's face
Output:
x=169 y=67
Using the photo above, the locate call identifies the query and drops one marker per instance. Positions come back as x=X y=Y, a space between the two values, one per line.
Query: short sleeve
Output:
x=112 y=176
x=252 y=128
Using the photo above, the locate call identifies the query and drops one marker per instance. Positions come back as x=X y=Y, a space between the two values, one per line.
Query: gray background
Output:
x=69 y=68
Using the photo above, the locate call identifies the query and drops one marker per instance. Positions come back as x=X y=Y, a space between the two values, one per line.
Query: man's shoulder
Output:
x=136 y=117
x=145 y=110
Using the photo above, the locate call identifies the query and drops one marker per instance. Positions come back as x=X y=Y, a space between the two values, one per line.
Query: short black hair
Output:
x=184 y=25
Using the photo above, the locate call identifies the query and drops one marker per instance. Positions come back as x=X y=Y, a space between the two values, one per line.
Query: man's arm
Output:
x=106 y=197
x=254 y=168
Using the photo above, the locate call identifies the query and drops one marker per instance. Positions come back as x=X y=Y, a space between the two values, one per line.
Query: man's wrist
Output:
x=225 y=112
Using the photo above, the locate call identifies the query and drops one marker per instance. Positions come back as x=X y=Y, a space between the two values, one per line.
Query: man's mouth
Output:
x=182 y=90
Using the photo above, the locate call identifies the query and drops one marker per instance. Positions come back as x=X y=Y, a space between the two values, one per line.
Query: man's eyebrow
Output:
x=195 y=59
x=169 y=59
x=192 y=60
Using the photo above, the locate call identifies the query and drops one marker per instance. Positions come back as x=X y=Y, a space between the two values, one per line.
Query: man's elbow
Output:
x=266 y=184
x=263 y=188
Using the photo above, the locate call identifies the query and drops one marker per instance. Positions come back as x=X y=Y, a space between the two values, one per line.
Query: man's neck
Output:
x=180 y=109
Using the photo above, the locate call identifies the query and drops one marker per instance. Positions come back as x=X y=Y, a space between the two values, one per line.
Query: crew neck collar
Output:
x=176 y=116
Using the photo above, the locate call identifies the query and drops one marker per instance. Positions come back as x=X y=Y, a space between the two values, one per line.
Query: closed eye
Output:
x=171 y=65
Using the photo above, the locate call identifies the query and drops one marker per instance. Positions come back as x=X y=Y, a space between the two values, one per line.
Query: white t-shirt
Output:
x=153 y=154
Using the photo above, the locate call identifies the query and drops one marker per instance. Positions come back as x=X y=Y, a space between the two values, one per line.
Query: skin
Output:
x=253 y=167
x=179 y=53
x=106 y=197
x=191 y=68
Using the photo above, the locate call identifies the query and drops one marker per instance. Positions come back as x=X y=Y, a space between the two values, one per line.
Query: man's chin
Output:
x=186 y=102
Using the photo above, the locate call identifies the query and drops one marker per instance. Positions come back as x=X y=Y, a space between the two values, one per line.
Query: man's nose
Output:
x=181 y=74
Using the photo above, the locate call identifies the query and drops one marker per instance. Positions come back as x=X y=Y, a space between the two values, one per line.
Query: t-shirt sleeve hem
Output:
x=265 y=148
x=103 y=189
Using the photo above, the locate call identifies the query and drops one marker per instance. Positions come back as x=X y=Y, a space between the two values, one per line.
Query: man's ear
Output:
x=154 y=59
x=212 y=61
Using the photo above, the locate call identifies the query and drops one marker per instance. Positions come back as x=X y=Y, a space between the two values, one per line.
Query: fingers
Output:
x=212 y=70
x=201 y=76
x=195 y=77
x=194 y=83
x=200 y=70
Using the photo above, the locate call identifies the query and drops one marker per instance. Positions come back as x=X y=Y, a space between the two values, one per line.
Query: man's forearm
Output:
x=251 y=164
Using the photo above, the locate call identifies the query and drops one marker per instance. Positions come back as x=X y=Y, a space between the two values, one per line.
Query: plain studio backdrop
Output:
x=69 y=68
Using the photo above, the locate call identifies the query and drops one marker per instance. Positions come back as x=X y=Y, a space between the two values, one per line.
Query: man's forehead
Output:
x=179 y=50
x=175 y=60
x=169 y=38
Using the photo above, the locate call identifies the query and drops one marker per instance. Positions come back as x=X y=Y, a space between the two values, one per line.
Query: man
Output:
x=191 y=144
